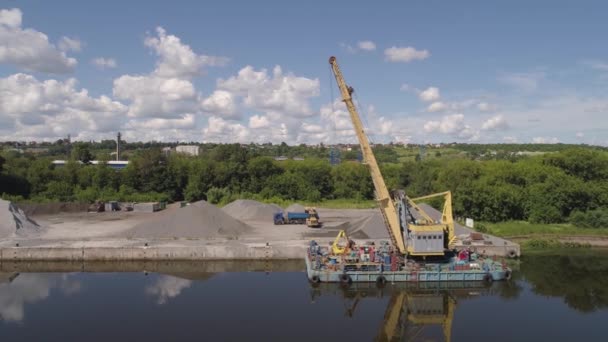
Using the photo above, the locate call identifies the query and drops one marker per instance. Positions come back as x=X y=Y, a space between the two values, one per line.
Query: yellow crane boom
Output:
x=386 y=203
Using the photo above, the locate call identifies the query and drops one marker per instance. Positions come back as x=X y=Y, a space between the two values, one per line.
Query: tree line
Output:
x=549 y=188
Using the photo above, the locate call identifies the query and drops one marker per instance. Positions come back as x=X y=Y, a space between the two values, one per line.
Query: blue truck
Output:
x=308 y=217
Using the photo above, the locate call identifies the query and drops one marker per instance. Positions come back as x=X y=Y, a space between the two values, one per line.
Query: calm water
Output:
x=549 y=299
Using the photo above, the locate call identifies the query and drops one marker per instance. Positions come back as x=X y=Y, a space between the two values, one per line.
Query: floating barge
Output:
x=382 y=265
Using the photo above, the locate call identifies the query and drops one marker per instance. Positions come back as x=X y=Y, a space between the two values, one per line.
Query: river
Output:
x=550 y=298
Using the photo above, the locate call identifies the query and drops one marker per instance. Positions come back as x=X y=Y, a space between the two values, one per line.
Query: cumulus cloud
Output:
x=580 y=135
x=222 y=103
x=53 y=109
x=545 y=140
x=437 y=107
x=497 y=122
x=177 y=59
x=366 y=45
x=31 y=50
x=485 y=107
x=153 y=96
x=69 y=44
x=220 y=130
x=259 y=121
x=104 y=63
x=509 y=140
x=335 y=126
x=405 y=54
x=429 y=94
x=279 y=92
x=453 y=125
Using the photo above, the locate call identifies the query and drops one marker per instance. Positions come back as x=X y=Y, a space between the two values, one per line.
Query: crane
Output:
x=423 y=238
x=386 y=203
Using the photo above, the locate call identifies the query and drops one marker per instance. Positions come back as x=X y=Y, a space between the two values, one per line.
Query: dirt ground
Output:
x=108 y=225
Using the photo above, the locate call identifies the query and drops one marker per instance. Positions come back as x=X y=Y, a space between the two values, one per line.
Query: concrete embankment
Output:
x=138 y=251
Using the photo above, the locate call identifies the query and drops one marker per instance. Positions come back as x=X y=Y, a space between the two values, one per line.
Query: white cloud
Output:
x=11 y=18
x=453 y=125
x=220 y=130
x=429 y=94
x=497 y=122
x=366 y=45
x=104 y=63
x=158 y=97
x=258 y=121
x=177 y=59
x=335 y=126
x=524 y=81
x=437 y=107
x=580 y=135
x=69 y=44
x=52 y=109
x=186 y=121
x=510 y=140
x=545 y=140
x=286 y=94
x=485 y=107
x=222 y=103
x=405 y=54
x=29 y=49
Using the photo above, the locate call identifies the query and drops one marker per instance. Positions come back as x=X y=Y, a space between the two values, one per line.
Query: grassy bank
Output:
x=525 y=229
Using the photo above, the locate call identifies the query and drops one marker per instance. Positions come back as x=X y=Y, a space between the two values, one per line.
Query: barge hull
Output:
x=330 y=276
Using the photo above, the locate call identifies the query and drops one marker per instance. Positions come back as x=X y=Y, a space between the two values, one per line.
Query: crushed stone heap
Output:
x=251 y=210
x=15 y=224
x=199 y=220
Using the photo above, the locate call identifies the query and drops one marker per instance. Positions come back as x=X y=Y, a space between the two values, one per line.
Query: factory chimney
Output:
x=118 y=146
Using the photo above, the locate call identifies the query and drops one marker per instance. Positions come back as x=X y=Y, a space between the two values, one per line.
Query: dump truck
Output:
x=309 y=216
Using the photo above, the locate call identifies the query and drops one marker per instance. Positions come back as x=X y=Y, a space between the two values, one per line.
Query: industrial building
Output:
x=192 y=150
x=114 y=164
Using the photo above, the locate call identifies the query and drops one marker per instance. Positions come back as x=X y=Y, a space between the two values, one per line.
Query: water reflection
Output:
x=410 y=307
x=166 y=287
x=17 y=290
x=582 y=280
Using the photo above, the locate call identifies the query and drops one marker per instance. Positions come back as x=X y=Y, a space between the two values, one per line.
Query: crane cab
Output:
x=426 y=241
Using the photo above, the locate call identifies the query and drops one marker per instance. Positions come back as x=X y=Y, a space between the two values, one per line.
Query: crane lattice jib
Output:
x=387 y=206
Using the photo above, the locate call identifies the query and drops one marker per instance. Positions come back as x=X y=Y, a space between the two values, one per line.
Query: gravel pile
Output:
x=251 y=210
x=14 y=222
x=199 y=220
x=295 y=208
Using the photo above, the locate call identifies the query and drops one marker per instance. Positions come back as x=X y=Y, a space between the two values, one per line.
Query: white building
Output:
x=192 y=150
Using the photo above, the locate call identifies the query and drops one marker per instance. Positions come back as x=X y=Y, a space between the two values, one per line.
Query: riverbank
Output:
x=242 y=230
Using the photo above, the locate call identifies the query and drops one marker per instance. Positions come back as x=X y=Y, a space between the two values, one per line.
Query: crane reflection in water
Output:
x=411 y=309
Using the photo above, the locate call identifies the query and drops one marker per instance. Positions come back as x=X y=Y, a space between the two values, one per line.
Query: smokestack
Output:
x=118 y=146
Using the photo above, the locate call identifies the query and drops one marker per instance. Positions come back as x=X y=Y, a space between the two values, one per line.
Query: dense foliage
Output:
x=545 y=188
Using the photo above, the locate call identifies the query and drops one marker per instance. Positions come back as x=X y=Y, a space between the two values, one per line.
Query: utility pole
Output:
x=118 y=146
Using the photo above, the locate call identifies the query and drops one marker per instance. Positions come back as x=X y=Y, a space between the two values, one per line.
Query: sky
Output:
x=257 y=71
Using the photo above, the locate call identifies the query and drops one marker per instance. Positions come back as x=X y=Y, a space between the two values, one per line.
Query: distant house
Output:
x=281 y=158
x=192 y=150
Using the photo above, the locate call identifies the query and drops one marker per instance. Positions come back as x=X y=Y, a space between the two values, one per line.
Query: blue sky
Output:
x=424 y=71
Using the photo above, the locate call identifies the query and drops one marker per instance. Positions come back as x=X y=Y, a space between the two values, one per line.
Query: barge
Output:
x=381 y=265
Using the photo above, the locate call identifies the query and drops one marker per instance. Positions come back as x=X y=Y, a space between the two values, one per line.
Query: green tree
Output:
x=81 y=152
